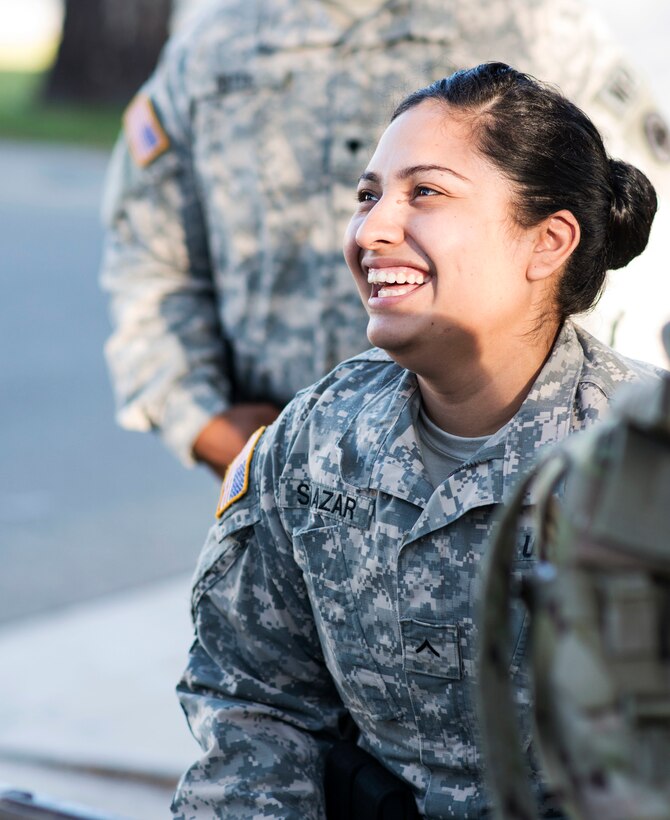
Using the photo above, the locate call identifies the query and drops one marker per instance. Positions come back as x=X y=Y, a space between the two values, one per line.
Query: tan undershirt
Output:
x=443 y=452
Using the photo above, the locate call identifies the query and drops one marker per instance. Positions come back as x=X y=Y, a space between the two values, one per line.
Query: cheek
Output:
x=351 y=248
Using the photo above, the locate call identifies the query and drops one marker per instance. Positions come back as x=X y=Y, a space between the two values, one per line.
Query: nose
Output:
x=383 y=224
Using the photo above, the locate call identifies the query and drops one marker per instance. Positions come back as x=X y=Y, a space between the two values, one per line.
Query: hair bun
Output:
x=633 y=208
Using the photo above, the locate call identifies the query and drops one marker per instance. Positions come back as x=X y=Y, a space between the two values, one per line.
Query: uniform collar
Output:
x=379 y=449
x=545 y=417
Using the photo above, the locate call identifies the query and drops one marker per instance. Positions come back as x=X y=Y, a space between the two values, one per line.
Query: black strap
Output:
x=358 y=787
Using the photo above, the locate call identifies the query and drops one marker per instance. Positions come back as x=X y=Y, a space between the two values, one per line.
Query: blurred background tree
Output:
x=108 y=48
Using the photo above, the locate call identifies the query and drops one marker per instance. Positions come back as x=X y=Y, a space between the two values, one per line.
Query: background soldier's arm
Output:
x=167 y=353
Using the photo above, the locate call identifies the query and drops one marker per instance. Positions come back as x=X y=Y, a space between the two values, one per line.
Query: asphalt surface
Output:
x=99 y=528
x=86 y=509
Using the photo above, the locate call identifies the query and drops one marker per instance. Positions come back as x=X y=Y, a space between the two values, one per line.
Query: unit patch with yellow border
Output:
x=146 y=137
x=236 y=480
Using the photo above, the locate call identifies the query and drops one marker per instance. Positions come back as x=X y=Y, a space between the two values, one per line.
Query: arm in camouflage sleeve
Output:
x=256 y=692
x=166 y=353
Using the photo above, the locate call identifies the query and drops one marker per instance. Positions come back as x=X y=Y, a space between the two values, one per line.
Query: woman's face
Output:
x=433 y=245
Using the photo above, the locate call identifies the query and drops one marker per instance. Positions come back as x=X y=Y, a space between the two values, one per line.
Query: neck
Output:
x=476 y=395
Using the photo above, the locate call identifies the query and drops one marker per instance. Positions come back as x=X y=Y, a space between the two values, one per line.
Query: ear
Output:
x=557 y=237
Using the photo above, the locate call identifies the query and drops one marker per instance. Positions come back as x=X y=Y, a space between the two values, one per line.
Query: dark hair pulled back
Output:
x=555 y=156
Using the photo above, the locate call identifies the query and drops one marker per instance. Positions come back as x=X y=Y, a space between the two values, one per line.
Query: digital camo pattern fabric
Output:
x=223 y=254
x=343 y=580
x=598 y=604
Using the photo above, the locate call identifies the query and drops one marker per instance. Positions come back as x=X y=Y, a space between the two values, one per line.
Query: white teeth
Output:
x=394 y=276
x=401 y=291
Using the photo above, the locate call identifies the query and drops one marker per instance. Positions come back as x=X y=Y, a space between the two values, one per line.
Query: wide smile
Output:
x=395 y=281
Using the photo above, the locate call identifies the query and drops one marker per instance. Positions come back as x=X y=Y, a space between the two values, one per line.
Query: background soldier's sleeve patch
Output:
x=236 y=480
x=145 y=135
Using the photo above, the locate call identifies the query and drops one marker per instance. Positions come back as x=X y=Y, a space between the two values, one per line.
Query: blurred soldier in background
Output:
x=599 y=601
x=232 y=184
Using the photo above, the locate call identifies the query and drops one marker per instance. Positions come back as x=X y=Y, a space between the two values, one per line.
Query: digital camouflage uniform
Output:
x=342 y=580
x=223 y=255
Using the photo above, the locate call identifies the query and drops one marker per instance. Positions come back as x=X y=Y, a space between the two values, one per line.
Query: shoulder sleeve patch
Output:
x=145 y=135
x=236 y=480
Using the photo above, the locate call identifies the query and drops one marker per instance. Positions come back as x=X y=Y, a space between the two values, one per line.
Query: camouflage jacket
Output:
x=223 y=253
x=341 y=579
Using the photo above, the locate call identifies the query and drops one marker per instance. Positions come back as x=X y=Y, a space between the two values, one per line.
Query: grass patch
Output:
x=25 y=115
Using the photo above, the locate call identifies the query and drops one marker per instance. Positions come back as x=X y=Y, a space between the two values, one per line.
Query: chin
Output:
x=382 y=338
x=398 y=347
x=394 y=334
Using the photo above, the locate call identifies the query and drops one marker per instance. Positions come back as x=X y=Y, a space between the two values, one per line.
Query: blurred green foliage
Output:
x=25 y=115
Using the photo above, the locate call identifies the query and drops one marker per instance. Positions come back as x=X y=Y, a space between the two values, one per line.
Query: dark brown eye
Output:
x=366 y=196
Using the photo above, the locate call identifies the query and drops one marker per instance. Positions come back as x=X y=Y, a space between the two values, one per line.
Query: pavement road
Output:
x=86 y=509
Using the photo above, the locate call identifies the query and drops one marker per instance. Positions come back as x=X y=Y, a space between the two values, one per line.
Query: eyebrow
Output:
x=370 y=176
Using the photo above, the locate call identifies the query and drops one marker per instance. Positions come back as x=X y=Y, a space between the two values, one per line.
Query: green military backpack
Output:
x=598 y=604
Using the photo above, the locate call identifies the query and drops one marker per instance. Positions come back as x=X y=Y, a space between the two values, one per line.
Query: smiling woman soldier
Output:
x=341 y=574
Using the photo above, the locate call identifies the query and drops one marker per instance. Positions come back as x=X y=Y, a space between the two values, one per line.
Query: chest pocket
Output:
x=431 y=649
x=343 y=620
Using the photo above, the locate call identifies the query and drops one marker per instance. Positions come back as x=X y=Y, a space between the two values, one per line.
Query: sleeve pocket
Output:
x=225 y=542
